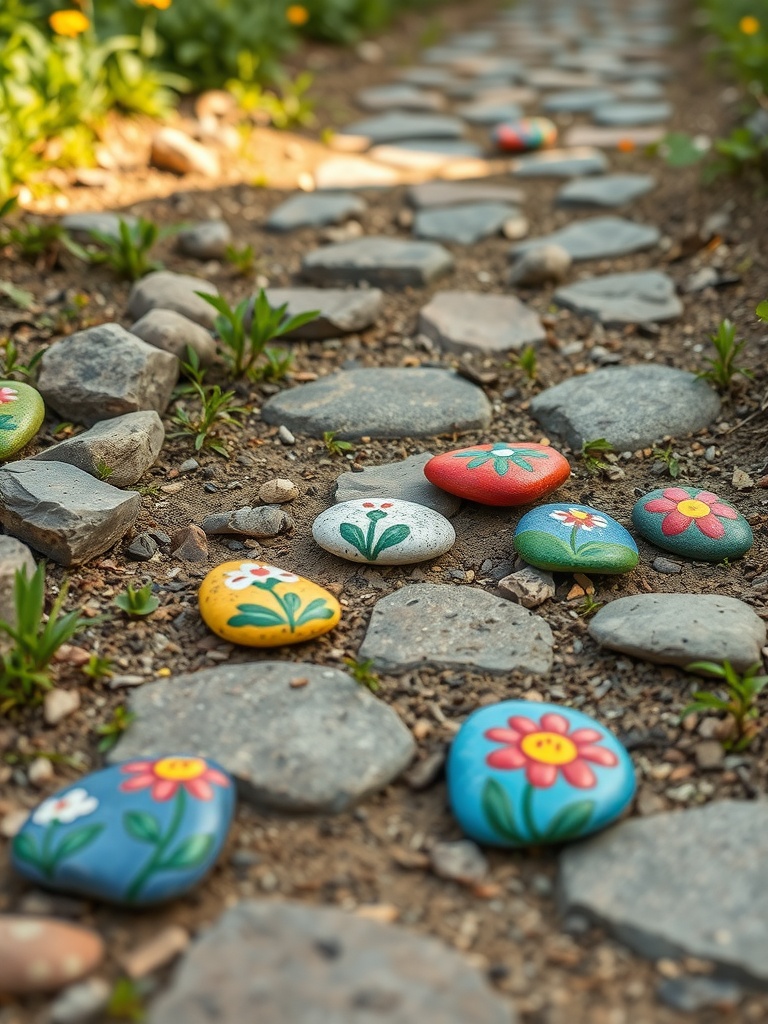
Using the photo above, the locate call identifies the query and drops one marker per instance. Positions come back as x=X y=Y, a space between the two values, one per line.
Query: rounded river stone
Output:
x=572 y=538
x=386 y=531
x=692 y=522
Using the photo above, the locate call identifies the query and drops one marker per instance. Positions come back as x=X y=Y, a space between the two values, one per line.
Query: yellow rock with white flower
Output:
x=259 y=605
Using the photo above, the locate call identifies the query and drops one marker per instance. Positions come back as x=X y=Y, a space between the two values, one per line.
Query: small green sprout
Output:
x=113 y=729
x=722 y=366
x=137 y=603
x=336 y=447
x=739 y=701
x=362 y=672
x=670 y=460
x=591 y=452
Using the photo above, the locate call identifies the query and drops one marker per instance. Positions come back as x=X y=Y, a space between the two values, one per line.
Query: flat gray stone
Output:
x=630 y=406
x=607 y=190
x=165 y=290
x=381 y=261
x=676 y=629
x=172 y=332
x=16 y=557
x=485 y=113
x=430 y=194
x=426 y=153
x=559 y=80
x=207 y=240
x=315 y=209
x=434 y=625
x=642 y=69
x=560 y=163
x=576 y=101
x=641 y=89
x=62 y=512
x=641 y=296
x=395 y=126
x=80 y=225
x=597 y=238
x=463 y=225
x=126 y=446
x=282 y=743
x=103 y=372
x=259 y=522
x=404 y=480
x=476 y=322
x=301 y=964
x=428 y=77
x=629 y=114
x=644 y=880
x=400 y=96
x=342 y=310
x=386 y=402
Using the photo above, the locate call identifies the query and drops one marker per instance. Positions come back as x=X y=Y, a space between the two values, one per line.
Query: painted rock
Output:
x=21 y=413
x=570 y=538
x=526 y=774
x=384 y=531
x=41 y=955
x=527 y=133
x=499 y=474
x=136 y=833
x=693 y=523
x=259 y=605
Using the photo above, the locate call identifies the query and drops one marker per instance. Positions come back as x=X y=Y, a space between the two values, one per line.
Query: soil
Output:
x=553 y=972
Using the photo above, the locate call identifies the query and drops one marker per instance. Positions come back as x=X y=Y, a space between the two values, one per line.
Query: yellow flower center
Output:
x=578 y=514
x=549 y=748
x=749 y=25
x=693 y=508
x=297 y=15
x=180 y=769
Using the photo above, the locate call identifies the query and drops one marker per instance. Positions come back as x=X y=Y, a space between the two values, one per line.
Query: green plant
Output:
x=9 y=360
x=125 y=1001
x=336 y=447
x=589 y=606
x=24 y=675
x=111 y=730
x=740 y=700
x=362 y=672
x=104 y=471
x=97 y=667
x=762 y=311
x=591 y=452
x=137 y=603
x=527 y=361
x=678 y=149
x=216 y=408
x=722 y=366
x=128 y=253
x=33 y=240
x=244 y=260
x=669 y=459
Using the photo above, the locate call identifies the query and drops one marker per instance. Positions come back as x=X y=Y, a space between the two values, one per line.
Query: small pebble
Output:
x=461 y=861
x=158 y=951
x=58 y=704
x=190 y=544
x=40 y=772
x=667 y=566
x=285 y=435
x=277 y=491
x=81 y=1002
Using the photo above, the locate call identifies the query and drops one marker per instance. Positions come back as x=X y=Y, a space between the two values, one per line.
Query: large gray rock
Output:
x=320 y=746
x=428 y=624
x=676 y=629
x=472 y=321
x=394 y=126
x=607 y=190
x=80 y=225
x=299 y=964
x=597 y=238
x=62 y=512
x=342 y=310
x=630 y=406
x=388 y=402
x=429 y=194
x=165 y=290
x=404 y=480
x=381 y=261
x=647 y=880
x=172 y=332
x=400 y=96
x=14 y=557
x=463 y=225
x=486 y=112
x=206 y=240
x=120 y=450
x=576 y=101
x=104 y=372
x=560 y=163
x=315 y=209
x=630 y=114
x=637 y=297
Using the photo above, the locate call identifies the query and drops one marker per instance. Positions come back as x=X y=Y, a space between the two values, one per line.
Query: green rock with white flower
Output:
x=21 y=413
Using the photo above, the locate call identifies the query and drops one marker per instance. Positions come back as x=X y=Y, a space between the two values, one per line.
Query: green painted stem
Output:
x=48 y=859
x=527 y=809
x=574 y=534
x=155 y=861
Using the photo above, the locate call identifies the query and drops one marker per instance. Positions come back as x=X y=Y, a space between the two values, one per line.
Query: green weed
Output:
x=137 y=603
x=336 y=447
x=722 y=366
x=97 y=668
x=739 y=701
x=591 y=452
x=111 y=730
x=128 y=254
x=362 y=672
x=669 y=459
x=215 y=408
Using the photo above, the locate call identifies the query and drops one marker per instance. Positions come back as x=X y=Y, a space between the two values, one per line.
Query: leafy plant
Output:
x=669 y=459
x=589 y=606
x=137 y=603
x=111 y=730
x=740 y=700
x=128 y=253
x=104 y=471
x=336 y=447
x=678 y=149
x=97 y=667
x=762 y=311
x=362 y=672
x=527 y=361
x=125 y=1001
x=244 y=260
x=10 y=367
x=722 y=366
x=591 y=452
x=33 y=240
x=216 y=408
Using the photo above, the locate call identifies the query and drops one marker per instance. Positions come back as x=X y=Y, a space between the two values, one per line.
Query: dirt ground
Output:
x=553 y=972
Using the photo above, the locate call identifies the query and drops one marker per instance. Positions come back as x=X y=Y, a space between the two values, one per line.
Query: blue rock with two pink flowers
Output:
x=527 y=774
x=137 y=833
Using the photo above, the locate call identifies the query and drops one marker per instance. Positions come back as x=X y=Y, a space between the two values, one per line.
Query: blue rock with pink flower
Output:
x=137 y=833
x=528 y=774
x=692 y=522
x=574 y=538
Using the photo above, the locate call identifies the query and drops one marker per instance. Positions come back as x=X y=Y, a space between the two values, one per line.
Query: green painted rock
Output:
x=693 y=523
x=21 y=413
x=574 y=538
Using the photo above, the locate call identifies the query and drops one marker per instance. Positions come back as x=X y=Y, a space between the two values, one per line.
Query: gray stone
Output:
x=434 y=625
x=105 y=372
x=342 y=310
x=429 y=194
x=80 y=225
x=461 y=861
x=387 y=402
x=14 y=557
x=557 y=79
x=608 y=190
x=667 y=566
x=637 y=297
x=576 y=101
x=207 y=240
x=302 y=964
x=426 y=153
x=404 y=480
x=690 y=994
x=430 y=78
x=315 y=209
x=174 y=150
x=597 y=238
x=560 y=163
x=381 y=261
x=636 y=879
x=401 y=96
x=544 y=264
x=62 y=512
x=476 y=322
x=80 y=1002
x=642 y=69
x=165 y=290
x=676 y=629
x=125 y=446
x=142 y=548
x=172 y=332
x=484 y=113
x=529 y=586
x=641 y=89
x=465 y=224
x=318 y=747
x=630 y=406
x=394 y=126
x=630 y=114
x=262 y=521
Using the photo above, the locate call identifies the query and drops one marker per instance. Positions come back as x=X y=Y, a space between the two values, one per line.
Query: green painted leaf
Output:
x=7 y=422
x=142 y=826
x=76 y=841
x=498 y=810
x=478 y=460
x=262 y=618
x=570 y=821
x=315 y=610
x=391 y=536
x=25 y=848
x=292 y=602
x=501 y=466
x=354 y=535
x=189 y=854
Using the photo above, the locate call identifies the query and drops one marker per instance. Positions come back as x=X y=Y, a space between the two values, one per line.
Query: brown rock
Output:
x=156 y=953
x=190 y=544
x=42 y=954
x=173 y=150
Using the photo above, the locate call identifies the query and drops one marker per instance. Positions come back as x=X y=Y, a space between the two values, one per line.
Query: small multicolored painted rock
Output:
x=137 y=833
x=387 y=531
x=525 y=774
x=499 y=474
x=693 y=523
x=259 y=605
x=571 y=538
x=526 y=134
x=42 y=955
x=21 y=413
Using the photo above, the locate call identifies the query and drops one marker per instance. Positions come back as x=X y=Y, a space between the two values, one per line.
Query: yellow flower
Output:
x=68 y=23
x=749 y=25
x=297 y=15
x=161 y=5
